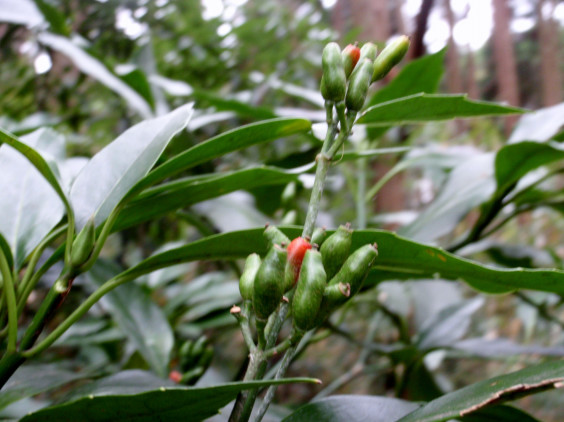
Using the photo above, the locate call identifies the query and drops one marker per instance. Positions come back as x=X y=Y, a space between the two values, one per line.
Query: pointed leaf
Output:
x=429 y=107
x=357 y=408
x=138 y=316
x=97 y=70
x=233 y=140
x=30 y=193
x=112 y=172
x=490 y=392
x=165 y=404
x=181 y=193
x=398 y=258
x=539 y=125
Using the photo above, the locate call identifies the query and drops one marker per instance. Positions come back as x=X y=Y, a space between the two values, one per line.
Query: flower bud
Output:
x=389 y=57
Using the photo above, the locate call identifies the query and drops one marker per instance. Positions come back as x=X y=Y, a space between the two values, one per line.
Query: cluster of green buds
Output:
x=348 y=74
x=322 y=273
x=194 y=358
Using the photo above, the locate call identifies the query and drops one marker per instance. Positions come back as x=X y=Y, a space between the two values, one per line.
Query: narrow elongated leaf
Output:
x=398 y=258
x=221 y=103
x=233 y=140
x=357 y=408
x=490 y=392
x=469 y=185
x=165 y=404
x=501 y=413
x=181 y=193
x=20 y=12
x=97 y=70
x=138 y=316
x=430 y=107
x=503 y=347
x=539 y=125
x=55 y=17
x=30 y=380
x=111 y=173
x=31 y=198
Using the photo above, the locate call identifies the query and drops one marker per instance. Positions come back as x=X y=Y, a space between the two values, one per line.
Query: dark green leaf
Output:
x=229 y=141
x=138 y=316
x=30 y=380
x=353 y=408
x=30 y=193
x=419 y=384
x=97 y=70
x=137 y=80
x=429 y=107
x=111 y=173
x=181 y=193
x=399 y=258
x=490 y=392
x=231 y=104
x=166 y=404
x=501 y=413
x=513 y=161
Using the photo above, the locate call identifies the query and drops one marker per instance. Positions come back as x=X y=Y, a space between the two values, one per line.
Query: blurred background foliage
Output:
x=245 y=61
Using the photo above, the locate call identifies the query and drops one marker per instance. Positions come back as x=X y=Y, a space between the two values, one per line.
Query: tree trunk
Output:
x=417 y=46
x=454 y=79
x=371 y=16
x=551 y=78
x=506 y=72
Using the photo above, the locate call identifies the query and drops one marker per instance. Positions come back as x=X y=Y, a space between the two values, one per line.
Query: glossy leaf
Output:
x=398 y=258
x=111 y=173
x=123 y=400
x=539 y=125
x=97 y=70
x=430 y=107
x=31 y=197
x=138 y=316
x=233 y=140
x=489 y=392
x=30 y=380
x=357 y=408
x=501 y=413
x=184 y=192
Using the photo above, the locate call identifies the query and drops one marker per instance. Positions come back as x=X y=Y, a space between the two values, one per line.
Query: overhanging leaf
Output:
x=112 y=172
x=166 y=404
x=398 y=258
x=430 y=107
x=490 y=392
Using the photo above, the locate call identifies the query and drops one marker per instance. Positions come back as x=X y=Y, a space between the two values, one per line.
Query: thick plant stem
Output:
x=241 y=410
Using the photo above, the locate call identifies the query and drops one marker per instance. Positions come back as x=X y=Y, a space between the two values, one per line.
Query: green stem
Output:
x=360 y=193
x=10 y=298
x=77 y=314
x=242 y=409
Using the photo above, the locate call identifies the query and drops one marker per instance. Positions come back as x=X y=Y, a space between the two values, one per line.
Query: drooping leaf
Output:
x=123 y=400
x=233 y=140
x=30 y=380
x=111 y=173
x=138 y=316
x=398 y=259
x=493 y=391
x=430 y=107
x=348 y=408
x=31 y=198
x=184 y=192
x=97 y=70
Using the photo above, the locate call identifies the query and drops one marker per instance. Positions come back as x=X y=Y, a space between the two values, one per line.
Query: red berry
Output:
x=350 y=56
x=175 y=376
x=296 y=251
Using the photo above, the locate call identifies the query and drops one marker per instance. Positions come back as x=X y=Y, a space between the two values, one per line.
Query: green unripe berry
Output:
x=274 y=236
x=333 y=297
x=318 y=236
x=334 y=81
x=368 y=51
x=336 y=249
x=247 y=280
x=83 y=244
x=389 y=57
x=309 y=291
x=358 y=85
x=356 y=268
x=269 y=282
